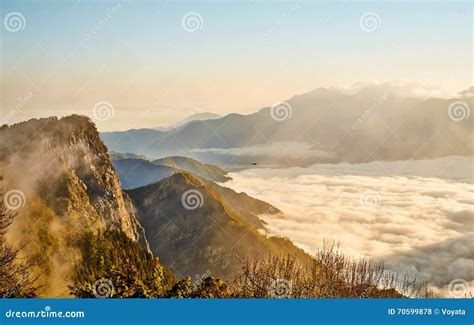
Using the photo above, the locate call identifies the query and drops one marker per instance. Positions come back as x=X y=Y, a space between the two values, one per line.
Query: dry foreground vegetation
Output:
x=117 y=267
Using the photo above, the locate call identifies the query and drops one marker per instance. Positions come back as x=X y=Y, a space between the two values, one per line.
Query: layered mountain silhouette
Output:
x=139 y=172
x=194 y=117
x=375 y=122
x=135 y=173
x=114 y=155
x=68 y=197
x=196 y=226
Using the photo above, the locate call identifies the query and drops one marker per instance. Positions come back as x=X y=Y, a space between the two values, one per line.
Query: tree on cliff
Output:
x=15 y=275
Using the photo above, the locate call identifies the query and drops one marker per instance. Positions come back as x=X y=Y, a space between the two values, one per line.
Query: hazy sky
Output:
x=155 y=67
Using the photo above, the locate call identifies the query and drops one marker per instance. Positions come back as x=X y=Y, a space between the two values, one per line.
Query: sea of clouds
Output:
x=416 y=215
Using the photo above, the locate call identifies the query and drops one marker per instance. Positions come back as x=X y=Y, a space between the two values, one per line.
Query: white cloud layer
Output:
x=407 y=212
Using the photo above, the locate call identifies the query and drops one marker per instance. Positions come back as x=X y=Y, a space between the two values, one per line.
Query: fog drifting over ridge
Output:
x=416 y=215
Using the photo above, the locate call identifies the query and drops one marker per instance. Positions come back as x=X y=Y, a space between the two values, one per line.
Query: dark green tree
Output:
x=15 y=276
x=114 y=266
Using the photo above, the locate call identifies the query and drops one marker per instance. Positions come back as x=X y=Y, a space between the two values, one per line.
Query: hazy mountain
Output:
x=374 y=122
x=133 y=141
x=127 y=155
x=467 y=92
x=217 y=230
x=60 y=181
x=209 y=172
x=135 y=173
x=75 y=225
x=195 y=117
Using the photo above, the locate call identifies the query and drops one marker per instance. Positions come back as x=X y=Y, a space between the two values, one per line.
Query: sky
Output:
x=135 y=64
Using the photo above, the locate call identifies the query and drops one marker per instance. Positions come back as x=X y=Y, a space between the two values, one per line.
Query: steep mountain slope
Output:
x=196 y=226
x=364 y=125
x=135 y=173
x=60 y=181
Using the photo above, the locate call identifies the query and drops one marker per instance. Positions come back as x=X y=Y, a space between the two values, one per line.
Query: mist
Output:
x=400 y=211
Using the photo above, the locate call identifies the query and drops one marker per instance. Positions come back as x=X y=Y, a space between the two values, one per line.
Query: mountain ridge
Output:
x=345 y=124
x=194 y=225
x=67 y=187
x=135 y=173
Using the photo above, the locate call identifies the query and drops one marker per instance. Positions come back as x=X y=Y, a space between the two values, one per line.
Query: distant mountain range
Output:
x=375 y=122
x=182 y=123
x=127 y=155
x=68 y=195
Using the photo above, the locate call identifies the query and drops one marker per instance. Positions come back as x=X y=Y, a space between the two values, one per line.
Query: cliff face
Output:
x=67 y=187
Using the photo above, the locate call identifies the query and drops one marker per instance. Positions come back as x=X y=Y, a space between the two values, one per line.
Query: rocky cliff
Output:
x=61 y=183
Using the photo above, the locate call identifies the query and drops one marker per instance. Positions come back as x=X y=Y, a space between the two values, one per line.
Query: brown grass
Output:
x=331 y=274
